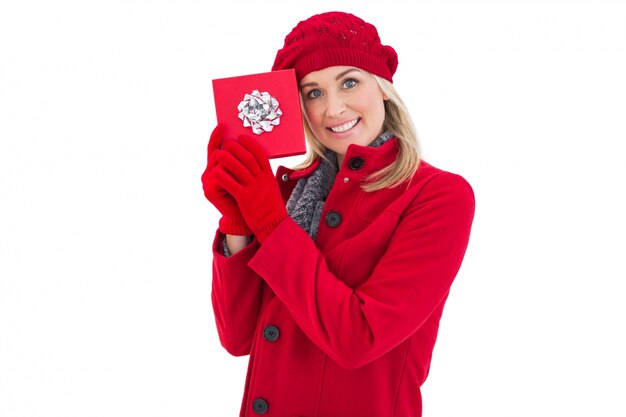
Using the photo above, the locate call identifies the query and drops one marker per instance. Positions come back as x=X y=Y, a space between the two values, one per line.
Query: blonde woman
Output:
x=333 y=276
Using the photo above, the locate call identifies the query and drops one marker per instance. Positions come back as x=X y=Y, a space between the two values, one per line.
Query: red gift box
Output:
x=263 y=106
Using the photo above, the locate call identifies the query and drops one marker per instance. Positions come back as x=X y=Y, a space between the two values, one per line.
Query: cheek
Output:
x=309 y=114
x=313 y=117
x=380 y=113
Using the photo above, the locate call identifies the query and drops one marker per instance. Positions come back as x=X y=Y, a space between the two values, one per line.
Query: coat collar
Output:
x=373 y=159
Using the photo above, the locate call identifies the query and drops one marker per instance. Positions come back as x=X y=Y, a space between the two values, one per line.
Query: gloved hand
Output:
x=231 y=222
x=244 y=171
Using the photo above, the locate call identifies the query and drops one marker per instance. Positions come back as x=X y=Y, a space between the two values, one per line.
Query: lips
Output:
x=345 y=126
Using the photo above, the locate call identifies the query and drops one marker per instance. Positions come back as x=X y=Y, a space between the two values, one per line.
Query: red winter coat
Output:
x=344 y=326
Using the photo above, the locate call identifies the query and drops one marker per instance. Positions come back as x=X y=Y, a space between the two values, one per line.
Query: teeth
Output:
x=344 y=127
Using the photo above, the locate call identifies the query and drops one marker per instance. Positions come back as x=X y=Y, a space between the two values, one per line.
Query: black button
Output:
x=259 y=406
x=333 y=219
x=356 y=163
x=271 y=333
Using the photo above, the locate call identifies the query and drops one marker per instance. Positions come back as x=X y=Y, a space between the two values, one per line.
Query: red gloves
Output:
x=244 y=171
x=232 y=222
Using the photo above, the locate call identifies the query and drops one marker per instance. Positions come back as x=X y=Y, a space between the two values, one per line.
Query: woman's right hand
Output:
x=232 y=222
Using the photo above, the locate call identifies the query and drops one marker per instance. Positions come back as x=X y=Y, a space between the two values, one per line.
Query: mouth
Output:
x=345 y=126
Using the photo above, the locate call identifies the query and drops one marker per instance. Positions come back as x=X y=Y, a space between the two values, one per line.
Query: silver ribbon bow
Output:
x=259 y=111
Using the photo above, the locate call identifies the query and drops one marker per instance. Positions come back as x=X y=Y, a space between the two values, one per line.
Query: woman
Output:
x=333 y=276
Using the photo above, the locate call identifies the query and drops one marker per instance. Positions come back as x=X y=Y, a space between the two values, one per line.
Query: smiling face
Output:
x=343 y=106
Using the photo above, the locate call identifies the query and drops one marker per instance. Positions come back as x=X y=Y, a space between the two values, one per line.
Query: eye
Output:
x=314 y=93
x=350 y=83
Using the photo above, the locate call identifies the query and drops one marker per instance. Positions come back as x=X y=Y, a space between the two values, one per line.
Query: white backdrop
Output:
x=105 y=111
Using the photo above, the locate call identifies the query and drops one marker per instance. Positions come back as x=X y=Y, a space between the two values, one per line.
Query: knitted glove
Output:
x=231 y=222
x=245 y=172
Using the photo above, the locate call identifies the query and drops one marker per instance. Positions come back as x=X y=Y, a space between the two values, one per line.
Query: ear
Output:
x=385 y=96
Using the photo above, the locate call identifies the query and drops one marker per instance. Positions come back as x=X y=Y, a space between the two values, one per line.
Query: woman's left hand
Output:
x=244 y=171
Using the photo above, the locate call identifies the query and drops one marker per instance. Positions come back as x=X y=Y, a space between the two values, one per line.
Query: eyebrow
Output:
x=340 y=75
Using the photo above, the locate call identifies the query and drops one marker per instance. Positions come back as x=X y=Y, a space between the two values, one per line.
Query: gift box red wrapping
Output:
x=287 y=137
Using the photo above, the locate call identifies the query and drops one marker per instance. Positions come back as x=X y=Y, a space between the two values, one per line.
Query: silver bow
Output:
x=259 y=111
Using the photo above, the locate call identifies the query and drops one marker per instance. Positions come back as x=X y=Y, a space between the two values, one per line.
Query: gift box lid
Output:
x=264 y=106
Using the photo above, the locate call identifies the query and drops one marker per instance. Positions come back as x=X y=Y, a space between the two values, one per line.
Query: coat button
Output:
x=271 y=333
x=259 y=406
x=333 y=219
x=356 y=163
x=285 y=177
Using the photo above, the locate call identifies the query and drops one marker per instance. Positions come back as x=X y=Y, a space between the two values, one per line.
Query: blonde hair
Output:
x=399 y=122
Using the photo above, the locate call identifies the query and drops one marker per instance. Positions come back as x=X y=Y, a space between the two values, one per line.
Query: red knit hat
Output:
x=335 y=38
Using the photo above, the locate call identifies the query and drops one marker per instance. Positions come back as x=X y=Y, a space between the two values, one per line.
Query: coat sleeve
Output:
x=412 y=278
x=236 y=294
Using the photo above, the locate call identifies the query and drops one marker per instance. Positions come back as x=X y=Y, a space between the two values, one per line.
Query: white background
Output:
x=105 y=111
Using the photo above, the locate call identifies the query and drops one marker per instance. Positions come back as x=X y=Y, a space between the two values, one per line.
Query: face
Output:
x=344 y=106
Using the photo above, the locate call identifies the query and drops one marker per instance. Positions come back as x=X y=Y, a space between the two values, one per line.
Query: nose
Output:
x=335 y=106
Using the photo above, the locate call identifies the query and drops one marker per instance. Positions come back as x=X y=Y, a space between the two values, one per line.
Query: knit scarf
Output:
x=306 y=203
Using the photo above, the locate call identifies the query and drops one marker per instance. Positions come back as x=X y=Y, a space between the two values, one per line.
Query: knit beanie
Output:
x=333 y=39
